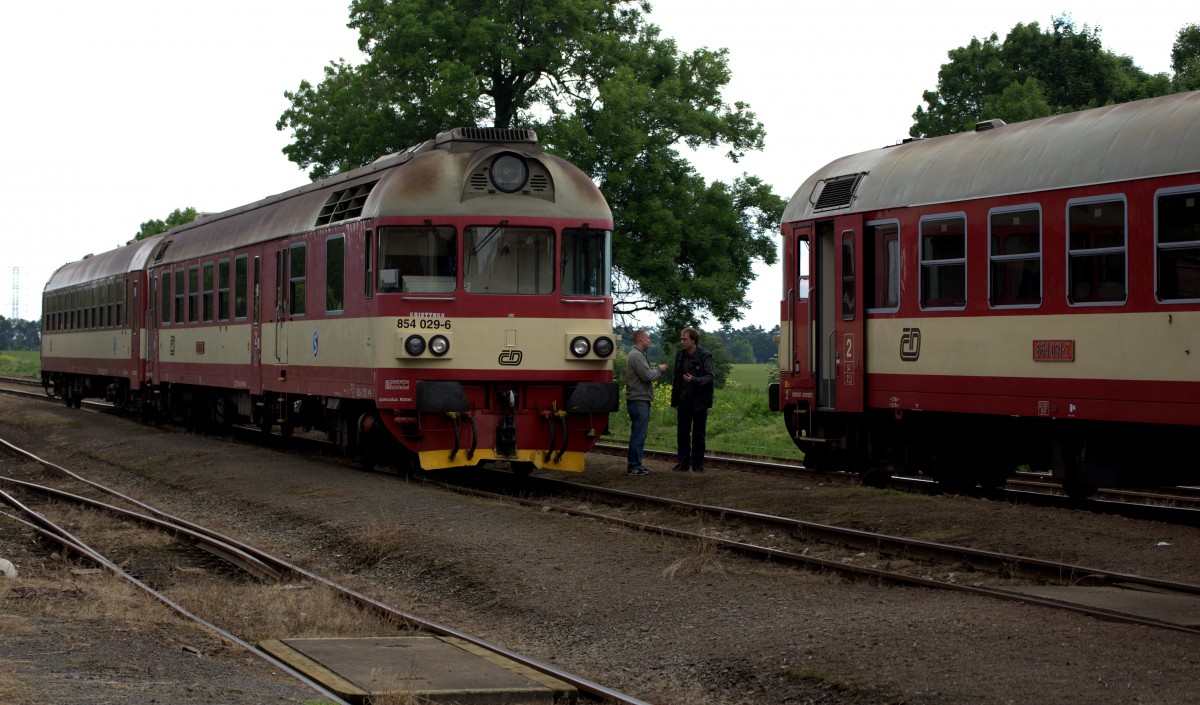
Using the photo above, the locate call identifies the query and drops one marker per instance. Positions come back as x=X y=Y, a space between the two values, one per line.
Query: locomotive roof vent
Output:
x=488 y=134
x=345 y=204
x=837 y=192
x=989 y=124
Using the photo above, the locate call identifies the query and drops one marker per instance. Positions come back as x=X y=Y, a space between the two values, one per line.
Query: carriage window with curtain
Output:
x=882 y=243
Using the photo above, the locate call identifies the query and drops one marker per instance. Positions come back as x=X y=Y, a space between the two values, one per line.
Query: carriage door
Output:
x=279 y=342
x=799 y=310
x=840 y=315
x=255 y=322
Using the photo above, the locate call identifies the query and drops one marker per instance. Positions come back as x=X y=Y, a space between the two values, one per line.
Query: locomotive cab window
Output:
x=1015 y=255
x=335 y=274
x=418 y=259
x=1178 y=241
x=297 y=280
x=504 y=260
x=586 y=261
x=944 y=262
x=1096 y=252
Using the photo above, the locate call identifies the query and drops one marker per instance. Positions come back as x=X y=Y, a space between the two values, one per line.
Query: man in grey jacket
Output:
x=639 y=392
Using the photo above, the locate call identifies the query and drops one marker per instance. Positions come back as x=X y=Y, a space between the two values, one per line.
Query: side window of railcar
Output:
x=1015 y=256
x=193 y=294
x=223 y=290
x=179 y=296
x=208 y=292
x=1178 y=241
x=944 y=262
x=419 y=259
x=882 y=266
x=586 y=261
x=504 y=260
x=164 y=297
x=335 y=273
x=240 y=287
x=849 y=305
x=297 y=280
x=1096 y=251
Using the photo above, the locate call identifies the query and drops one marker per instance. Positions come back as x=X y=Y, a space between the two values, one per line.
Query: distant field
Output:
x=20 y=363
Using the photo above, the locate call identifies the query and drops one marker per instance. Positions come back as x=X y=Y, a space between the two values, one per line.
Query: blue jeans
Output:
x=639 y=425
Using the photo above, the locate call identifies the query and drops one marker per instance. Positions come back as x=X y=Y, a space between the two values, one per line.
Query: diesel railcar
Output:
x=450 y=302
x=1019 y=295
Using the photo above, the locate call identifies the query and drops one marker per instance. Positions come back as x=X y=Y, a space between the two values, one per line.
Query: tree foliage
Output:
x=179 y=216
x=1185 y=59
x=16 y=334
x=1032 y=73
x=603 y=89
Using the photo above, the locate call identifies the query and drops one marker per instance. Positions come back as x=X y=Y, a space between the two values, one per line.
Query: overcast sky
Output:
x=119 y=112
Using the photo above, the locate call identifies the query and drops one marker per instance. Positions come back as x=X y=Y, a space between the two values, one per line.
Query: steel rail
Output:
x=844 y=569
x=583 y=684
x=67 y=540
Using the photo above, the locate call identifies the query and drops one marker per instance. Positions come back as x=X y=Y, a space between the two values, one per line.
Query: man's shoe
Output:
x=677 y=467
x=638 y=471
x=697 y=469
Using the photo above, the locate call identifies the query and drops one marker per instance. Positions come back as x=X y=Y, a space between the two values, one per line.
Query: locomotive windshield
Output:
x=504 y=260
x=586 y=261
x=417 y=259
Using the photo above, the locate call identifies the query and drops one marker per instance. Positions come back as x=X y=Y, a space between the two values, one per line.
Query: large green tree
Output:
x=179 y=216
x=1185 y=59
x=1032 y=73
x=603 y=88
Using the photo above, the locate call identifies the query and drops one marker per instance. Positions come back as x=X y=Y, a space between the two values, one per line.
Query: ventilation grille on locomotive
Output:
x=838 y=192
x=345 y=204
x=493 y=134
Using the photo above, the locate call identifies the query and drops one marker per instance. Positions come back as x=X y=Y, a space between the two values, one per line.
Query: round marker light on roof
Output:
x=509 y=173
x=580 y=346
x=603 y=346
x=439 y=345
x=414 y=345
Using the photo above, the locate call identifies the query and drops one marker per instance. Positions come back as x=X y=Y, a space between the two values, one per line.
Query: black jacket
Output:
x=701 y=386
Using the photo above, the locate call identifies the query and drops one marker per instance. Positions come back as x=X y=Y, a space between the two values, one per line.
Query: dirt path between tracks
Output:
x=661 y=619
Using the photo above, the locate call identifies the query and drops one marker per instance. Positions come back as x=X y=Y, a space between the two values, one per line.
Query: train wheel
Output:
x=522 y=468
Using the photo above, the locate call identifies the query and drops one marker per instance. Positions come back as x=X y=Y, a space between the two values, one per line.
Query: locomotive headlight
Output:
x=580 y=346
x=509 y=173
x=414 y=345
x=603 y=346
x=439 y=345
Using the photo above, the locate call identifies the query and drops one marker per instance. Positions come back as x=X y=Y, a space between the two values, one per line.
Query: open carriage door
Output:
x=799 y=311
x=840 y=343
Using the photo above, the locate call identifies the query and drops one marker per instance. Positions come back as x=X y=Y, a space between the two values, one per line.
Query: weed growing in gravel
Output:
x=705 y=558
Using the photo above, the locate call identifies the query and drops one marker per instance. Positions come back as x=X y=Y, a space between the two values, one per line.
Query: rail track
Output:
x=853 y=553
x=253 y=561
x=1177 y=505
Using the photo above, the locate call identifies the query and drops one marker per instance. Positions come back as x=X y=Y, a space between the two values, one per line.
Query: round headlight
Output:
x=603 y=346
x=509 y=173
x=580 y=346
x=439 y=345
x=414 y=345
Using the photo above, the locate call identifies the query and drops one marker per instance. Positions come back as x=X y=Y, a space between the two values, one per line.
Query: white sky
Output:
x=119 y=112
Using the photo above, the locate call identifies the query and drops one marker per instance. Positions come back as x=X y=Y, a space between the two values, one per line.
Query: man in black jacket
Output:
x=692 y=396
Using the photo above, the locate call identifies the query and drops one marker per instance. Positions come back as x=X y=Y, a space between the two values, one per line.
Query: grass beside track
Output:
x=20 y=363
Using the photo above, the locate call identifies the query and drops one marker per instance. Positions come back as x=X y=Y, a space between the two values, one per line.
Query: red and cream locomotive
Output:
x=453 y=298
x=1019 y=295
